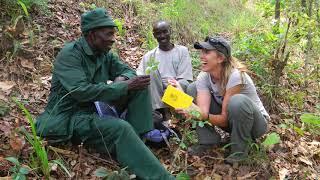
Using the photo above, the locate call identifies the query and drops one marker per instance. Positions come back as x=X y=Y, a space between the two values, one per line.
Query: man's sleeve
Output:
x=70 y=73
x=119 y=68
x=185 y=67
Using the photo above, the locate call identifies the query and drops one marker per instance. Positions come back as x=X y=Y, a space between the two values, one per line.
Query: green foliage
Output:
x=15 y=8
x=271 y=139
x=24 y=8
x=122 y=174
x=257 y=155
x=119 y=23
x=152 y=65
x=4 y=108
x=19 y=171
x=150 y=41
x=208 y=17
x=183 y=176
x=40 y=154
x=311 y=122
x=196 y=63
x=62 y=165
x=87 y=6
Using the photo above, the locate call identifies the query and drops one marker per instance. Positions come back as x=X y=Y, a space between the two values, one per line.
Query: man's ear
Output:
x=91 y=35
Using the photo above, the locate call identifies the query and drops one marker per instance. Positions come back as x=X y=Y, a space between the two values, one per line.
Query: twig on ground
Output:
x=80 y=158
x=111 y=163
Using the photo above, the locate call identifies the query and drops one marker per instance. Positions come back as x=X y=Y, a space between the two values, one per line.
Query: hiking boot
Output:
x=200 y=149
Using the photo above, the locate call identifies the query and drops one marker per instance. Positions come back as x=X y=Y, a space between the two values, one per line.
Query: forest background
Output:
x=279 y=41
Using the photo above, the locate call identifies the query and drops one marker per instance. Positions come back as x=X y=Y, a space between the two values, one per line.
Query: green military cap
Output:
x=98 y=17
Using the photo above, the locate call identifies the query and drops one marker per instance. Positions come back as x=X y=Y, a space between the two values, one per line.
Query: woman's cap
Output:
x=215 y=43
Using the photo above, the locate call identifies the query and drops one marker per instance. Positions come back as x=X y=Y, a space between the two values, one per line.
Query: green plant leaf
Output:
x=101 y=172
x=60 y=163
x=310 y=119
x=183 y=176
x=124 y=174
x=13 y=160
x=183 y=145
x=201 y=123
x=24 y=170
x=19 y=176
x=298 y=130
x=271 y=139
x=24 y=8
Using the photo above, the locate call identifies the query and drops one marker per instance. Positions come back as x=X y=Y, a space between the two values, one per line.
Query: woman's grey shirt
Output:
x=205 y=83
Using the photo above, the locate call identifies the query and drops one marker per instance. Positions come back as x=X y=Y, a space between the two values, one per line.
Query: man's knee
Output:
x=192 y=90
x=122 y=125
x=184 y=84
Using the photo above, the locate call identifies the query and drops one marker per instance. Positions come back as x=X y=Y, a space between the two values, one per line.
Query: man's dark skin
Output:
x=101 y=41
x=162 y=32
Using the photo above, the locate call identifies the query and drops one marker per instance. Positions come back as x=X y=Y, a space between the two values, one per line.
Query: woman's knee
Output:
x=238 y=102
x=240 y=107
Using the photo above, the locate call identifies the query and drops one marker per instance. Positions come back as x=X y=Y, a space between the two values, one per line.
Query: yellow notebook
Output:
x=176 y=98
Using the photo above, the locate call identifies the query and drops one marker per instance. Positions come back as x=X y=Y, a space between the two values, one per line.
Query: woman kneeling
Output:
x=226 y=97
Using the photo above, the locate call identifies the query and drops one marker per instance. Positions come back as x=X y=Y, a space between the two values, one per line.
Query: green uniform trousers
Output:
x=121 y=137
x=245 y=123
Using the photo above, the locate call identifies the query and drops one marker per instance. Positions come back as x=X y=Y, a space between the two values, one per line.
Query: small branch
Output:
x=80 y=158
x=111 y=163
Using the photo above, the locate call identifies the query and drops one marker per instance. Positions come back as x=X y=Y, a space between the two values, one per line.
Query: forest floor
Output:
x=27 y=76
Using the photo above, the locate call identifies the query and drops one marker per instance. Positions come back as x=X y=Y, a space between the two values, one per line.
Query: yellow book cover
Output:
x=176 y=98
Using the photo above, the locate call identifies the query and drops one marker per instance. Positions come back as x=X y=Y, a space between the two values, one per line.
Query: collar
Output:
x=87 y=49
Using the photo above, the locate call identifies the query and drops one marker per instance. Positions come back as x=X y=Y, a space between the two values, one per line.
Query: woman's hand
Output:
x=183 y=112
x=193 y=112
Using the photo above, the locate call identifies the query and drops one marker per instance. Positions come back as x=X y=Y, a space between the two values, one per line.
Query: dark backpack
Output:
x=158 y=137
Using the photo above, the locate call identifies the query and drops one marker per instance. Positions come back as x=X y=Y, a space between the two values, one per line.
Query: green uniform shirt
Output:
x=80 y=78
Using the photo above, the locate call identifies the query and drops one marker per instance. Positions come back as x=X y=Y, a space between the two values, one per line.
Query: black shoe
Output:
x=200 y=149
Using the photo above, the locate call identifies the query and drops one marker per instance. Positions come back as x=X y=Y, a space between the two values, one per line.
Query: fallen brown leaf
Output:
x=283 y=173
x=6 y=86
x=17 y=142
x=27 y=64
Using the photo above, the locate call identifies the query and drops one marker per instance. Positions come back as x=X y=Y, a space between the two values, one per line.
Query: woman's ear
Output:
x=221 y=58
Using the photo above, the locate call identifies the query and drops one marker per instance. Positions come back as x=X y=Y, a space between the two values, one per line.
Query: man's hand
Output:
x=138 y=82
x=120 y=78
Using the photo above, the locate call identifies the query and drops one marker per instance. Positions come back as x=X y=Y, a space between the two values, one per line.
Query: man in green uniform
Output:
x=80 y=75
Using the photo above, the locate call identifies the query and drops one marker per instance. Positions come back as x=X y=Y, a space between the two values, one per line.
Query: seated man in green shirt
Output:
x=80 y=75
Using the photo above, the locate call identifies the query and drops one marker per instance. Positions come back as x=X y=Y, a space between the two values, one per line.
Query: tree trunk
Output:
x=277 y=17
x=308 y=50
x=304 y=5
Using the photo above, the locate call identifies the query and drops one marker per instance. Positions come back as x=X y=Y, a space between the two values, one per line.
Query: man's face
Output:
x=162 y=33
x=103 y=39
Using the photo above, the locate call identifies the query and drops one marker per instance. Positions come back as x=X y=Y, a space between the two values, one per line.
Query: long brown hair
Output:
x=227 y=65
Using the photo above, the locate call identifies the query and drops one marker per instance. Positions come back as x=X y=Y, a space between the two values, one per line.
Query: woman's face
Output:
x=210 y=60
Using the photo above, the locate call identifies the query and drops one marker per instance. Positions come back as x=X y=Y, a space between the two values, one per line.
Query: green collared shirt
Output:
x=80 y=78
